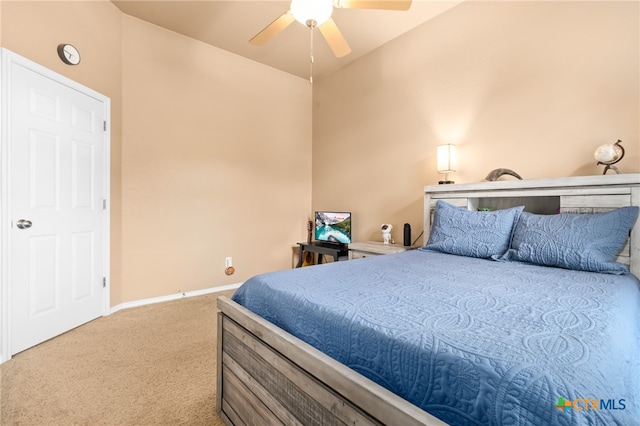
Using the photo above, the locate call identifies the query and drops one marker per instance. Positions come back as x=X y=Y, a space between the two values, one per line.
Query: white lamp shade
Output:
x=447 y=158
x=316 y=10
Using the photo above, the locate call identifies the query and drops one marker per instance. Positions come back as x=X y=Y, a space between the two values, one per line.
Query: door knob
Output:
x=23 y=224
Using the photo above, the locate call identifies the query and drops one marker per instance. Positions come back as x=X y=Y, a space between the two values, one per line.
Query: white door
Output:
x=57 y=171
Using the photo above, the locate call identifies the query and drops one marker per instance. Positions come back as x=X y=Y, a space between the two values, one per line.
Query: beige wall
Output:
x=211 y=153
x=216 y=162
x=530 y=86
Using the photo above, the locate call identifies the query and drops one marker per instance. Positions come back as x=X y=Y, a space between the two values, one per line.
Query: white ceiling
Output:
x=230 y=24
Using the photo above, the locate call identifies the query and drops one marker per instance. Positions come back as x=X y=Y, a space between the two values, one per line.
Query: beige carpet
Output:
x=153 y=365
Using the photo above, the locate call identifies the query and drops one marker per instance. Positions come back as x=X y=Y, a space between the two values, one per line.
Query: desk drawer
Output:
x=360 y=254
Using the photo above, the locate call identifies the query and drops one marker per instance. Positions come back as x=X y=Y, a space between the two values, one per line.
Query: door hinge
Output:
x=104 y=204
x=104 y=282
x=104 y=126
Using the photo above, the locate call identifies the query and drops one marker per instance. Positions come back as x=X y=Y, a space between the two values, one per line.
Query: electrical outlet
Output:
x=228 y=262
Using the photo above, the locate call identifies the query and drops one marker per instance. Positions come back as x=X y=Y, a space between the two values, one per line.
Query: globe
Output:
x=609 y=154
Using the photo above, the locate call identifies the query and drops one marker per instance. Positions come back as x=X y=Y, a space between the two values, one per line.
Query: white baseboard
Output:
x=143 y=302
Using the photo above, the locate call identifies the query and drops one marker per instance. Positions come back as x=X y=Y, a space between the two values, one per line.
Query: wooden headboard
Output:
x=580 y=194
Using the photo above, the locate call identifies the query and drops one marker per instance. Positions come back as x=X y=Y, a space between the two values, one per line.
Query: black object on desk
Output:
x=335 y=250
x=407 y=235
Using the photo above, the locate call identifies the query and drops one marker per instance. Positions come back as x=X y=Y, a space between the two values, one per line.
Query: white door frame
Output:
x=6 y=60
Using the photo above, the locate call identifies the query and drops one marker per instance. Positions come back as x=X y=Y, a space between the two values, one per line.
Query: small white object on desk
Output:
x=386 y=233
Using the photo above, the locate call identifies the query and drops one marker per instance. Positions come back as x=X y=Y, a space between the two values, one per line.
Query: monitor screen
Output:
x=333 y=227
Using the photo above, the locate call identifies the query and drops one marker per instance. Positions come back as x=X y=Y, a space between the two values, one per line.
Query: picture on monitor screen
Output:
x=333 y=227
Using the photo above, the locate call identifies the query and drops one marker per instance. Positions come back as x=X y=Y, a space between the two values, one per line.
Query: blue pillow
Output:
x=584 y=242
x=469 y=233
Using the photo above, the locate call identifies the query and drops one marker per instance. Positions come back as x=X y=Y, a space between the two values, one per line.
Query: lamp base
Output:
x=445 y=182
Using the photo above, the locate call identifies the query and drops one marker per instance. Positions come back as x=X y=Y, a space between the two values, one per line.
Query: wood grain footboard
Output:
x=267 y=376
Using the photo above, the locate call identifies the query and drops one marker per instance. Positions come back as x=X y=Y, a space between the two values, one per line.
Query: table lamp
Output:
x=446 y=161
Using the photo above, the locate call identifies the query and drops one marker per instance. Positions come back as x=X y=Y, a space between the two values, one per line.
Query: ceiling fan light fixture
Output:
x=318 y=11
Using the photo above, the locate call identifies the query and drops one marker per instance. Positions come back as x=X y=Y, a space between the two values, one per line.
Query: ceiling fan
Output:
x=317 y=13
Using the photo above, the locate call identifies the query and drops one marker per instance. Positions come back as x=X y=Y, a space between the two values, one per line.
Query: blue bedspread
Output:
x=472 y=341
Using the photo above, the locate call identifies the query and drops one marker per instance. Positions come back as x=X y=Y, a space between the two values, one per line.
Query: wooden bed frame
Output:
x=267 y=376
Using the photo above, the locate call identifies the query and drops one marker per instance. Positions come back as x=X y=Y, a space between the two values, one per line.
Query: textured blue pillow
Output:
x=469 y=233
x=584 y=242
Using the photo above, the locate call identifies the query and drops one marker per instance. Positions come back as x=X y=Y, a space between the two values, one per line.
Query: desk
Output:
x=334 y=250
x=374 y=248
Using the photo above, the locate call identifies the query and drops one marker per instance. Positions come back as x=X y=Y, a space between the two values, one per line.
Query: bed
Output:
x=431 y=337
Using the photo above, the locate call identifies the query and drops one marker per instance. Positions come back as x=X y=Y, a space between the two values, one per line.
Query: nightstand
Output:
x=373 y=248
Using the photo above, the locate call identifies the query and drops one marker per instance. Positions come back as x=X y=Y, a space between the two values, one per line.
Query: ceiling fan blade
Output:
x=334 y=37
x=373 y=4
x=272 y=29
